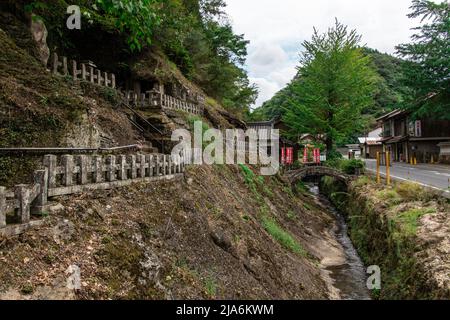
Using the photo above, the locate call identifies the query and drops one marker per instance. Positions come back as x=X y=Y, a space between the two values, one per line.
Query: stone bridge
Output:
x=316 y=171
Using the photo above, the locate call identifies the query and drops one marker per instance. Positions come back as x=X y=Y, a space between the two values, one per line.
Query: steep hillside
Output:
x=39 y=109
x=221 y=232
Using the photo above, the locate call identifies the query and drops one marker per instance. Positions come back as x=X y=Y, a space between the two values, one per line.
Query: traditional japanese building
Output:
x=408 y=138
x=371 y=144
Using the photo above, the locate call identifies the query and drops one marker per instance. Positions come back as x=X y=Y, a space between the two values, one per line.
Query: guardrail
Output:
x=67 y=175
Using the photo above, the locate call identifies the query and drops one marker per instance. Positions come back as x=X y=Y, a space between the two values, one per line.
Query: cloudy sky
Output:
x=276 y=29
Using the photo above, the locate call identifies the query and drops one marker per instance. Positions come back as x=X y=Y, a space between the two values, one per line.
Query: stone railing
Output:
x=60 y=65
x=155 y=99
x=22 y=200
x=67 y=174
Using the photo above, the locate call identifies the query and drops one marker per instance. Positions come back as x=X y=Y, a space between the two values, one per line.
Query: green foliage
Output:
x=291 y=215
x=136 y=17
x=427 y=68
x=197 y=36
x=192 y=119
x=389 y=197
x=249 y=177
x=408 y=221
x=351 y=166
x=283 y=237
x=301 y=187
x=211 y=286
x=390 y=93
x=411 y=191
x=334 y=84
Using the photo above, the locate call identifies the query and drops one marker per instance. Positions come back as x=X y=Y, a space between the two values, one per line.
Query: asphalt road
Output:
x=428 y=175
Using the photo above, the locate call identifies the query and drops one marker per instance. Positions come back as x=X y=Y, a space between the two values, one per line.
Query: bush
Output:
x=352 y=166
x=413 y=192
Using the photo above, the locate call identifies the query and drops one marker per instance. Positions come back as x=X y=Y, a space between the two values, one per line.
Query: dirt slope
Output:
x=202 y=236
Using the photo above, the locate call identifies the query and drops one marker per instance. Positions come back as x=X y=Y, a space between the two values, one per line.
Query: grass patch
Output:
x=291 y=215
x=282 y=236
x=300 y=186
x=362 y=181
x=391 y=197
x=211 y=286
x=408 y=221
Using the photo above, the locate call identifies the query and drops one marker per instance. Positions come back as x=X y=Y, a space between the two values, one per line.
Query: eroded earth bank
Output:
x=218 y=232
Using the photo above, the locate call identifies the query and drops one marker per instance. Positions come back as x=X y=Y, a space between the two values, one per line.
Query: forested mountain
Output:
x=390 y=94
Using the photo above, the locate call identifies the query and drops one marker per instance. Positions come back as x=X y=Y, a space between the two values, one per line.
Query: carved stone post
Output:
x=111 y=173
x=50 y=162
x=22 y=194
x=98 y=169
x=2 y=207
x=142 y=166
x=67 y=162
x=41 y=178
x=122 y=167
x=84 y=162
x=133 y=166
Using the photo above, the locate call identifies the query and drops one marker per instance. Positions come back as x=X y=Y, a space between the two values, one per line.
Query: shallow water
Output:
x=349 y=278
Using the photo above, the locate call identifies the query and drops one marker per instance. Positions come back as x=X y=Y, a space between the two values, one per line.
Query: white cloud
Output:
x=267 y=89
x=276 y=29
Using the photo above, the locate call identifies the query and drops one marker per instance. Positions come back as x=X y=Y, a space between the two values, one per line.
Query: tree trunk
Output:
x=330 y=144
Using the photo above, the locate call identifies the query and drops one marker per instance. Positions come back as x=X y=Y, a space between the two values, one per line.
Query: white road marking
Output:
x=446 y=192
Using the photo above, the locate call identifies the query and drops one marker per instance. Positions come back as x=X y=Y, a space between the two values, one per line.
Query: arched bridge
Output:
x=317 y=171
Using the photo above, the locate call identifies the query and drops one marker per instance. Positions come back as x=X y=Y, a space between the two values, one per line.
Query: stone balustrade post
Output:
x=142 y=166
x=122 y=167
x=111 y=172
x=50 y=162
x=98 y=169
x=41 y=178
x=132 y=159
x=22 y=194
x=67 y=162
x=2 y=207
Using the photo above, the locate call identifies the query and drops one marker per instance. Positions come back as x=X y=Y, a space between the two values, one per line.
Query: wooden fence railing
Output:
x=164 y=101
x=62 y=66
x=67 y=174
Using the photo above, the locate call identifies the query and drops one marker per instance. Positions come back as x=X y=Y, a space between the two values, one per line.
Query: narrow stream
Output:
x=350 y=278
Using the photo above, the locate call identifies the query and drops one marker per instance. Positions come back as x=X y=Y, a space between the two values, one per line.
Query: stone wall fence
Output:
x=68 y=174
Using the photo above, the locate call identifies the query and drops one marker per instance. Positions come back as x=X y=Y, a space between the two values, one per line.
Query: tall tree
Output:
x=427 y=68
x=335 y=82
